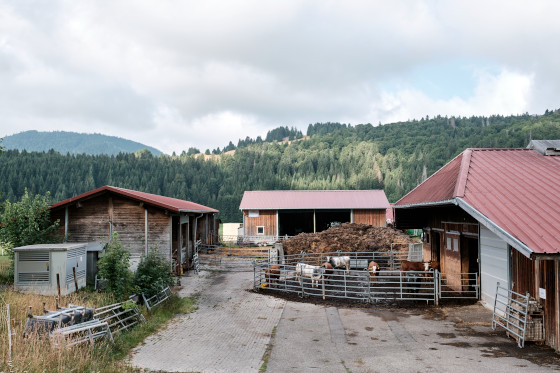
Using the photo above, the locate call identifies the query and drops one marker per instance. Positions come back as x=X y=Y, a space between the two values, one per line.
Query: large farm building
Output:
x=495 y=212
x=289 y=212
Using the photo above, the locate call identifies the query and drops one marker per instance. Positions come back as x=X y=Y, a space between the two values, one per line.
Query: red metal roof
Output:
x=171 y=204
x=313 y=199
x=516 y=189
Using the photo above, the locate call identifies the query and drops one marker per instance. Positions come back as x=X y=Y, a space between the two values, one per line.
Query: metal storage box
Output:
x=44 y=268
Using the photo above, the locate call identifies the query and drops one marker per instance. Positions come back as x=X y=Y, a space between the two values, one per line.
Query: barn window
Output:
x=253 y=213
x=260 y=229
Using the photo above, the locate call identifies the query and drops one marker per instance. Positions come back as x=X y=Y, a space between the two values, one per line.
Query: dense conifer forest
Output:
x=394 y=157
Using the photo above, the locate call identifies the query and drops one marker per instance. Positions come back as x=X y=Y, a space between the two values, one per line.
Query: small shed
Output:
x=289 y=212
x=46 y=268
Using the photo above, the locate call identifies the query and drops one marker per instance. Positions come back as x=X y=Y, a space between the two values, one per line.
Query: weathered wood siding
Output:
x=206 y=229
x=90 y=221
x=266 y=218
x=372 y=217
x=128 y=222
x=159 y=232
x=548 y=280
x=523 y=274
x=87 y=223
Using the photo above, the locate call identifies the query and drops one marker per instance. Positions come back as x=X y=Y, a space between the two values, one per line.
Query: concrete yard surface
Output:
x=238 y=330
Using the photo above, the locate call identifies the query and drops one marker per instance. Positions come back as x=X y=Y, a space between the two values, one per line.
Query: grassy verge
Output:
x=38 y=355
x=266 y=354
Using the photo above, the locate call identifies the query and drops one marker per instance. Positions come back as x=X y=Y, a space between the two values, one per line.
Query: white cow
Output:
x=340 y=262
x=315 y=273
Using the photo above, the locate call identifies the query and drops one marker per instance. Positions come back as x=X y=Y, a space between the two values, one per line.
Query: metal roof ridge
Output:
x=432 y=175
x=426 y=204
x=463 y=174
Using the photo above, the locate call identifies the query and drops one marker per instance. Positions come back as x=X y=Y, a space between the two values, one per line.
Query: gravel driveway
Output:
x=233 y=327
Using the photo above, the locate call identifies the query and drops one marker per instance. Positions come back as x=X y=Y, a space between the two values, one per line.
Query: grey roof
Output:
x=545 y=147
x=50 y=247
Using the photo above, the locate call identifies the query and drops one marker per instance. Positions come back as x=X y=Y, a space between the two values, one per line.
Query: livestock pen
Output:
x=358 y=283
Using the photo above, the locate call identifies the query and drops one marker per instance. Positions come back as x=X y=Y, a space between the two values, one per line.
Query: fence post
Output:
x=400 y=283
x=345 y=283
x=436 y=286
x=9 y=335
x=369 y=286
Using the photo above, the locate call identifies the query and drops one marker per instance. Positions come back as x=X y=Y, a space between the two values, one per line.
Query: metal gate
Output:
x=354 y=284
x=510 y=312
x=458 y=285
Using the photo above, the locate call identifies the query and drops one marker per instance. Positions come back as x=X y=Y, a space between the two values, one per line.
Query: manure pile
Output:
x=347 y=237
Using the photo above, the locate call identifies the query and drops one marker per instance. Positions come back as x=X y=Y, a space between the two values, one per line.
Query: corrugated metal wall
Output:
x=493 y=264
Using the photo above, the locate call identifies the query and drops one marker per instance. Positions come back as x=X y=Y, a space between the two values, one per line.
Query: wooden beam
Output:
x=146 y=231
x=66 y=223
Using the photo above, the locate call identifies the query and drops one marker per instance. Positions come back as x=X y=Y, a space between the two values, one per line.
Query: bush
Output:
x=113 y=268
x=153 y=274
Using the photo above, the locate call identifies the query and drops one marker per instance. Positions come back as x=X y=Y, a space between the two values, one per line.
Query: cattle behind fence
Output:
x=357 y=284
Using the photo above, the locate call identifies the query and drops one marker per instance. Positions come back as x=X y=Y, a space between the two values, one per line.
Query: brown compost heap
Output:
x=348 y=237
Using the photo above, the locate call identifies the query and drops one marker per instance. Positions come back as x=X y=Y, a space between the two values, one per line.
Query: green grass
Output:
x=266 y=354
x=6 y=274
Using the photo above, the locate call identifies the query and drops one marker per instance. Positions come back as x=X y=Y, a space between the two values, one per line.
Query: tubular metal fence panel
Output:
x=249 y=241
x=358 y=260
x=510 y=312
x=352 y=285
x=459 y=285
x=230 y=258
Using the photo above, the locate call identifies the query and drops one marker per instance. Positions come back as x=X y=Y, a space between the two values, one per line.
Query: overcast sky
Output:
x=175 y=74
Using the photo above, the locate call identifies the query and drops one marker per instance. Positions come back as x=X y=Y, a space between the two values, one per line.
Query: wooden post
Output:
x=58 y=284
x=75 y=278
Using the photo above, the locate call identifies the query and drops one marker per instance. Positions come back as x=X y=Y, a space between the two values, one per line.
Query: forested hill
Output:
x=395 y=157
x=73 y=143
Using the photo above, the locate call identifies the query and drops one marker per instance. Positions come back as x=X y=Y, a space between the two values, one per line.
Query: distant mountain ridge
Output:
x=73 y=143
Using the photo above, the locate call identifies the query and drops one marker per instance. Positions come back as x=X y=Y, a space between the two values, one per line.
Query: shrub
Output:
x=25 y=222
x=153 y=274
x=113 y=267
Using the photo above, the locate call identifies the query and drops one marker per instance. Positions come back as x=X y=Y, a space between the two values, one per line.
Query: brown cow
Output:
x=419 y=266
x=272 y=274
x=373 y=269
x=328 y=270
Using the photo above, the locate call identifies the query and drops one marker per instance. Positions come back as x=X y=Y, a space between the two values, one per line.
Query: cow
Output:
x=340 y=262
x=272 y=274
x=315 y=273
x=328 y=270
x=419 y=266
x=373 y=269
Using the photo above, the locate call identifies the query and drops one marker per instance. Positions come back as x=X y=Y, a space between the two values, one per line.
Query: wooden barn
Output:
x=289 y=212
x=142 y=221
x=495 y=212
